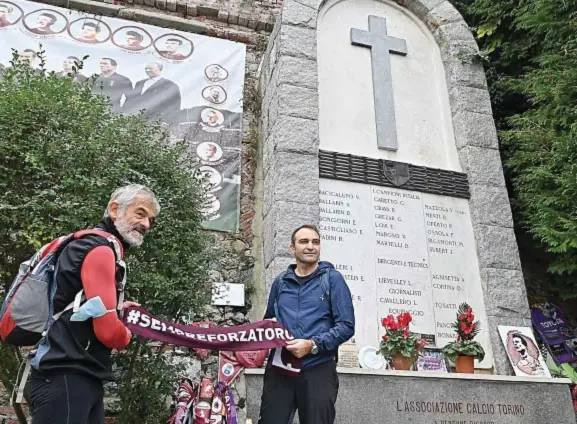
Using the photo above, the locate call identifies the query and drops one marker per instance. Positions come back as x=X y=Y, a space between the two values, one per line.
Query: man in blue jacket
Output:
x=312 y=300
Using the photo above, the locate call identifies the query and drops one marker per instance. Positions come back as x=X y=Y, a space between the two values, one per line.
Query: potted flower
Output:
x=400 y=344
x=465 y=350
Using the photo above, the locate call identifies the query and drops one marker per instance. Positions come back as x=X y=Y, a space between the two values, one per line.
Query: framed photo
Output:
x=432 y=360
x=523 y=352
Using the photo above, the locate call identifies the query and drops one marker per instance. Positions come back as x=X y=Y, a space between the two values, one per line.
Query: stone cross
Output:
x=381 y=45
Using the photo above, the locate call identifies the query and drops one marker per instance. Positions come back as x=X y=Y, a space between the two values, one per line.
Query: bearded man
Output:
x=73 y=361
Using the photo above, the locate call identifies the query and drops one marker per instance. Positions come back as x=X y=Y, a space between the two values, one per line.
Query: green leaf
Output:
x=487 y=28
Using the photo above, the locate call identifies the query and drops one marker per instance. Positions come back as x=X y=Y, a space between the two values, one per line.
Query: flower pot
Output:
x=465 y=364
x=401 y=362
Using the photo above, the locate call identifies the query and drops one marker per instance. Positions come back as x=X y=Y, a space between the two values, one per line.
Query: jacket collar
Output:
x=321 y=269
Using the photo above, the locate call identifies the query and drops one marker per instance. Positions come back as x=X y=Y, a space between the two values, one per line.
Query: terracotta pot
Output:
x=401 y=362
x=465 y=364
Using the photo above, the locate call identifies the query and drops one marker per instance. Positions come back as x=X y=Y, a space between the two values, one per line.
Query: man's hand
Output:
x=129 y=304
x=299 y=347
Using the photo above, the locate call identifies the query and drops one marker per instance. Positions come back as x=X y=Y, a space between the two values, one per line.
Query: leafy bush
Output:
x=532 y=70
x=62 y=154
x=146 y=384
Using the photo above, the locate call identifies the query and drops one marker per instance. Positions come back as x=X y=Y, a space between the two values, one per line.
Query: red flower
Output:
x=462 y=317
x=471 y=318
x=385 y=338
x=394 y=326
x=406 y=334
x=469 y=311
x=405 y=319
x=468 y=330
x=388 y=321
x=463 y=326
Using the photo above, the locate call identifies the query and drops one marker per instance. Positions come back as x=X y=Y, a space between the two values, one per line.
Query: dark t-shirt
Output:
x=304 y=279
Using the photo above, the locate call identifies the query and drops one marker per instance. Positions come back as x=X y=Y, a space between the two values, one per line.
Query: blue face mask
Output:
x=92 y=308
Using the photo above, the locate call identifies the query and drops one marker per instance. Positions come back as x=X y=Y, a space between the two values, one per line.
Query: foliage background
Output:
x=530 y=48
x=62 y=154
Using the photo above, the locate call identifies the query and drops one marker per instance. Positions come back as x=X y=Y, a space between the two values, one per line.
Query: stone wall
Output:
x=247 y=21
x=403 y=397
x=289 y=133
x=238 y=20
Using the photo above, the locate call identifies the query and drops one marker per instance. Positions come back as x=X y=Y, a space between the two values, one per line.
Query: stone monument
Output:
x=377 y=126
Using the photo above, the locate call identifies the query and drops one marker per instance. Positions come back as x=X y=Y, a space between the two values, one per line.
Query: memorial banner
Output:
x=256 y=336
x=191 y=83
x=553 y=329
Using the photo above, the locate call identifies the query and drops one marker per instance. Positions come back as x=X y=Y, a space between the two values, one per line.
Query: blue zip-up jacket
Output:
x=307 y=313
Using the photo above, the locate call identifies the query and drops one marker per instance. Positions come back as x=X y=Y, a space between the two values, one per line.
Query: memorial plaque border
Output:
x=364 y=170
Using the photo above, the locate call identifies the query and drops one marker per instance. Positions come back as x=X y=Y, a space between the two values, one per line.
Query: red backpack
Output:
x=27 y=312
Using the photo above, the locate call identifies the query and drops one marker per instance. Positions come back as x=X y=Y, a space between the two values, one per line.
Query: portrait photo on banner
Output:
x=523 y=351
x=191 y=83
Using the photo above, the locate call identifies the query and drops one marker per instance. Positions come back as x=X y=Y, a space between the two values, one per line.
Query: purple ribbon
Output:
x=229 y=403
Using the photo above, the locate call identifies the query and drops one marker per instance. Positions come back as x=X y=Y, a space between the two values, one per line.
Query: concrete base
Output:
x=399 y=397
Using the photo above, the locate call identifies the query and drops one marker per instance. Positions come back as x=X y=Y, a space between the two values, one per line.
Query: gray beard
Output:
x=130 y=236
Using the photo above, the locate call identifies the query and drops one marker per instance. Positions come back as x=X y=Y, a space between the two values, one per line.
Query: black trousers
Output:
x=313 y=393
x=66 y=399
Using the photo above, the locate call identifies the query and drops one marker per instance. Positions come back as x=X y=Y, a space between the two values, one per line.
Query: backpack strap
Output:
x=326 y=287
x=119 y=253
x=75 y=306
x=279 y=280
x=326 y=284
x=21 y=380
x=118 y=250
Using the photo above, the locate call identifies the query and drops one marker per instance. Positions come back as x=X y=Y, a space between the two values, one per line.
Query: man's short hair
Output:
x=91 y=24
x=112 y=61
x=49 y=15
x=126 y=195
x=159 y=65
x=302 y=227
x=136 y=35
x=176 y=40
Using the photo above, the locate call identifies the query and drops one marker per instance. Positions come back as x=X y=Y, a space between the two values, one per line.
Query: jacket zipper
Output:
x=299 y=309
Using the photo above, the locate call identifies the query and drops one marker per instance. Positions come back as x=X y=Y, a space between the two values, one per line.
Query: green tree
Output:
x=531 y=47
x=62 y=153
